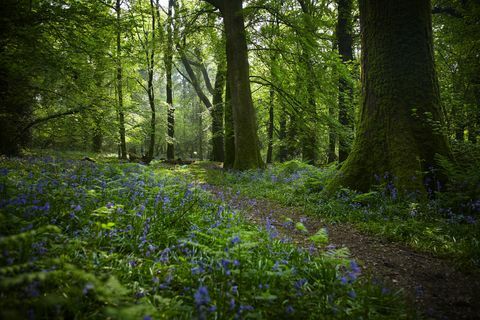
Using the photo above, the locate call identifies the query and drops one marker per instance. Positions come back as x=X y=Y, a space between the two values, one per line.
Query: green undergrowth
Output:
x=83 y=240
x=446 y=226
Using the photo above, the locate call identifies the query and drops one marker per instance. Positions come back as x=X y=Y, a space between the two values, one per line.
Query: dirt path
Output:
x=438 y=290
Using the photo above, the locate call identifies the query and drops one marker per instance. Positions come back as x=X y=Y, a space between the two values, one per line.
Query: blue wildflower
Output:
x=87 y=288
x=289 y=309
x=235 y=240
x=201 y=296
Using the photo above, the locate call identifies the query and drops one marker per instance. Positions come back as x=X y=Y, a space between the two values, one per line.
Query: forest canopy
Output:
x=238 y=159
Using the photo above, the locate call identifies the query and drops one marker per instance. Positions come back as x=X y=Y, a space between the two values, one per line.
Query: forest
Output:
x=239 y=159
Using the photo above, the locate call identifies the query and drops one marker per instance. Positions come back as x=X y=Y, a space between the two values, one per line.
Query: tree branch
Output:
x=447 y=10
x=53 y=116
x=194 y=81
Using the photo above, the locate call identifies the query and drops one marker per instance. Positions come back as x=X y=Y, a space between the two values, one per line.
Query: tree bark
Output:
x=169 y=87
x=332 y=137
x=217 y=113
x=150 y=54
x=270 y=126
x=309 y=121
x=247 y=146
x=345 y=89
x=229 y=131
x=121 y=114
x=400 y=117
x=282 y=136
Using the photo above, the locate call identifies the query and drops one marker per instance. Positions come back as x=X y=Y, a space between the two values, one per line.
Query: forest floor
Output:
x=435 y=286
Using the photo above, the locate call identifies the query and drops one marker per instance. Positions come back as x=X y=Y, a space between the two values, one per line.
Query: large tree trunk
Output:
x=168 y=71
x=121 y=115
x=400 y=115
x=247 y=146
x=345 y=88
x=229 y=131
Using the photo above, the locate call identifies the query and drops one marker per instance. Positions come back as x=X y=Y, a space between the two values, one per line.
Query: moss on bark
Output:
x=399 y=132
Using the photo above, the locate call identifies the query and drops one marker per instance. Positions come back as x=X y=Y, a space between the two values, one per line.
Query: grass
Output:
x=82 y=240
x=438 y=226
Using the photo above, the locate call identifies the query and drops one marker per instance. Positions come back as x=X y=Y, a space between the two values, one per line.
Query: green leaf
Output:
x=320 y=237
x=301 y=227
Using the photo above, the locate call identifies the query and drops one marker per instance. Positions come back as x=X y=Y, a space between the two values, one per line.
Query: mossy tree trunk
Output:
x=229 y=159
x=169 y=86
x=121 y=113
x=399 y=132
x=309 y=119
x=217 y=113
x=247 y=146
x=345 y=88
x=270 y=125
x=282 y=136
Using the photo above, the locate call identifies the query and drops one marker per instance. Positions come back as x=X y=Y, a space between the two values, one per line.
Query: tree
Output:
x=400 y=125
x=121 y=114
x=247 y=149
x=345 y=88
x=169 y=87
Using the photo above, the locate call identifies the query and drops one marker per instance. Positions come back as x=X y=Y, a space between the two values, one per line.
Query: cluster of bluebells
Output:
x=168 y=241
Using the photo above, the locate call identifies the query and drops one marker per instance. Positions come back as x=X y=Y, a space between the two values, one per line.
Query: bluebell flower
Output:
x=246 y=308
x=235 y=240
x=352 y=294
x=234 y=289
x=201 y=296
x=289 y=309
x=86 y=289
x=300 y=283
x=32 y=289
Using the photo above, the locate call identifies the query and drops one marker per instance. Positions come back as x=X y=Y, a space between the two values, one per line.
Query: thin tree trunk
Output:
x=345 y=88
x=332 y=138
x=270 y=126
x=229 y=131
x=309 y=121
x=217 y=113
x=168 y=71
x=150 y=90
x=121 y=115
x=282 y=136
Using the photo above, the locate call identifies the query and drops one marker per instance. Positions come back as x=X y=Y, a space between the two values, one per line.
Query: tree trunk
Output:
x=121 y=115
x=168 y=71
x=398 y=133
x=332 y=138
x=217 y=113
x=247 y=146
x=150 y=90
x=309 y=121
x=229 y=131
x=270 y=126
x=345 y=88
x=282 y=136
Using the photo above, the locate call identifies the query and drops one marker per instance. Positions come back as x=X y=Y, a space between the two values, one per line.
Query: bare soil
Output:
x=437 y=289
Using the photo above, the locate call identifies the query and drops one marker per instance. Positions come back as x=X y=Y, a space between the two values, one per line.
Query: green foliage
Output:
x=87 y=240
x=446 y=224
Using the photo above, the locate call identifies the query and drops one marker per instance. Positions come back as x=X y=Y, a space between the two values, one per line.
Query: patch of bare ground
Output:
x=437 y=289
